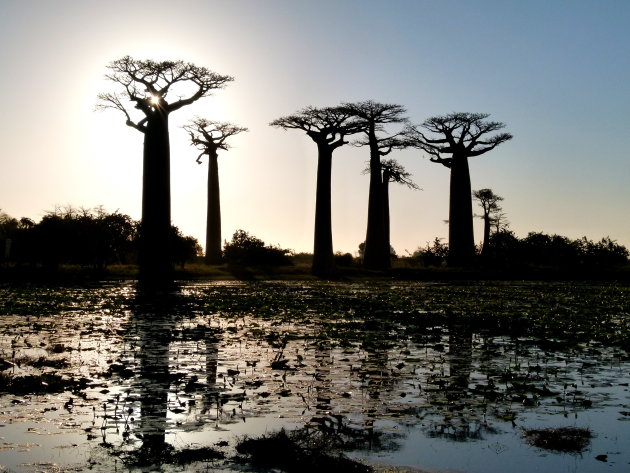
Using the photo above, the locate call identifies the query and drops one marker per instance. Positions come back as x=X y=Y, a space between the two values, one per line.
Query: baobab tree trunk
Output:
x=155 y=252
x=323 y=259
x=213 y=222
x=460 y=232
x=374 y=256
x=386 y=220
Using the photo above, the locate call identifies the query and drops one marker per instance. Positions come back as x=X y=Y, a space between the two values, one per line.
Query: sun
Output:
x=155 y=99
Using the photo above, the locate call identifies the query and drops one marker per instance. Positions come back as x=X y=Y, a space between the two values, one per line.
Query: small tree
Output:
x=209 y=137
x=328 y=127
x=156 y=89
x=459 y=136
x=8 y=227
x=392 y=171
x=433 y=254
x=492 y=214
x=246 y=249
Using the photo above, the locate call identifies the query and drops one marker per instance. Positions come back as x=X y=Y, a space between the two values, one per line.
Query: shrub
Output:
x=246 y=249
x=343 y=259
x=434 y=254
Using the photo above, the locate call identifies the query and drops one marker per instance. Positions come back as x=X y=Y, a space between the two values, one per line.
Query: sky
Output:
x=556 y=72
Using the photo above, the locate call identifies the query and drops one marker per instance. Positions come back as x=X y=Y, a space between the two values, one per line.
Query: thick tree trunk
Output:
x=323 y=259
x=213 y=222
x=155 y=252
x=386 y=220
x=460 y=232
x=374 y=256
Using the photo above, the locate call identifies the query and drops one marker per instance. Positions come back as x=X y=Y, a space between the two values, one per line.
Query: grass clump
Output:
x=560 y=439
x=299 y=451
x=46 y=383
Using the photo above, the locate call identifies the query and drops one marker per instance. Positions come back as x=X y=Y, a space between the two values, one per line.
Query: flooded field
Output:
x=438 y=376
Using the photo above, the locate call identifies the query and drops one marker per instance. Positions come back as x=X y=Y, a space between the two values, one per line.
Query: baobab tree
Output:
x=489 y=202
x=328 y=127
x=460 y=136
x=155 y=90
x=373 y=117
x=210 y=137
x=393 y=172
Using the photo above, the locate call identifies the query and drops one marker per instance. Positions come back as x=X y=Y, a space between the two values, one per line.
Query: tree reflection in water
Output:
x=158 y=338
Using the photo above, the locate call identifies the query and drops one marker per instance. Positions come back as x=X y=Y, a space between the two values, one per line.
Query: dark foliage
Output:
x=554 y=251
x=298 y=451
x=344 y=259
x=247 y=250
x=185 y=248
x=40 y=384
x=88 y=238
x=535 y=251
x=563 y=439
x=433 y=254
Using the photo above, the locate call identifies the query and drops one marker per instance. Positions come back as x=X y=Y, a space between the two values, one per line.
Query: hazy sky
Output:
x=557 y=73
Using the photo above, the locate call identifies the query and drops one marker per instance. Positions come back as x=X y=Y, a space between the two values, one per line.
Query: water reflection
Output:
x=172 y=359
x=180 y=369
x=153 y=322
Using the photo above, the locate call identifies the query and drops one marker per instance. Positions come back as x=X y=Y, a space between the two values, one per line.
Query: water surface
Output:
x=435 y=376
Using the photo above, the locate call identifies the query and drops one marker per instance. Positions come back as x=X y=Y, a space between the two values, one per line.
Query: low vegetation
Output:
x=561 y=439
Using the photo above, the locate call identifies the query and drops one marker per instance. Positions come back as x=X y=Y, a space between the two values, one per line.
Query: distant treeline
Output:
x=96 y=238
x=536 y=250
x=85 y=237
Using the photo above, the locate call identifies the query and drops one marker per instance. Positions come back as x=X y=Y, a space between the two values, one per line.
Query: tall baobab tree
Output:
x=492 y=211
x=373 y=117
x=156 y=89
x=459 y=136
x=210 y=137
x=328 y=127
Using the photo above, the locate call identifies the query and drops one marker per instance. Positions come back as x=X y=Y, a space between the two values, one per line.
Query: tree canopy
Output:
x=148 y=86
x=459 y=134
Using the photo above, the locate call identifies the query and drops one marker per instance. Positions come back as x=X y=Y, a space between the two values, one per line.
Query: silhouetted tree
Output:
x=489 y=203
x=8 y=228
x=392 y=171
x=209 y=137
x=460 y=135
x=328 y=128
x=433 y=254
x=148 y=87
x=186 y=248
x=245 y=249
x=373 y=117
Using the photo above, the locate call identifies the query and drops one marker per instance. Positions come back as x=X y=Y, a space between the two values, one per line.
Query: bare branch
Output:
x=110 y=100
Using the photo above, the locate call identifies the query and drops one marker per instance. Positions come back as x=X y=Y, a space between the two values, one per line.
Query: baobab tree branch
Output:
x=210 y=136
x=110 y=100
x=448 y=162
x=393 y=171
